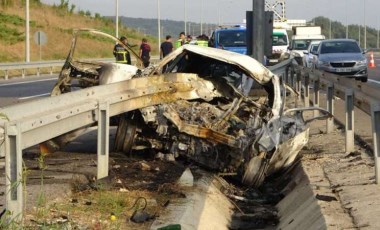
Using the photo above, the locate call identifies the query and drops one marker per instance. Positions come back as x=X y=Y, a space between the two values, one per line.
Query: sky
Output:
x=233 y=11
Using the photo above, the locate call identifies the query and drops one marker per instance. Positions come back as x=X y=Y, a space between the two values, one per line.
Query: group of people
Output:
x=123 y=56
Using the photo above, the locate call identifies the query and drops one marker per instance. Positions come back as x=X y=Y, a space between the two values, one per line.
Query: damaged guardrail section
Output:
x=50 y=117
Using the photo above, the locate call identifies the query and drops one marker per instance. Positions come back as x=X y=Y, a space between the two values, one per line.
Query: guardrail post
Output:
x=350 y=133
x=13 y=171
x=38 y=71
x=375 y=116
x=292 y=73
x=51 y=70
x=103 y=140
x=307 y=90
x=287 y=75
x=298 y=83
x=23 y=73
x=316 y=97
x=330 y=108
x=6 y=74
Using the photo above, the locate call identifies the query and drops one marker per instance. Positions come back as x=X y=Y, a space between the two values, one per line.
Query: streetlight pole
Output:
x=185 y=15
x=117 y=19
x=377 y=32
x=159 y=23
x=27 y=42
x=201 y=16
x=346 y=20
x=219 y=4
x=365 y=27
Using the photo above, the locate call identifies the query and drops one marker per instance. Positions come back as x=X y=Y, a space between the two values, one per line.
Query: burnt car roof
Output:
x=254 y=68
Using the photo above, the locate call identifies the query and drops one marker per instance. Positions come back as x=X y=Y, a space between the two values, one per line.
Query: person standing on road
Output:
x=144 y=52
x=181 y=40
x=121 y=54
x=166 y=47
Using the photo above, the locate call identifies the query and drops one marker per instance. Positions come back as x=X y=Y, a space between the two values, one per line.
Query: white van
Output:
x=280 y=44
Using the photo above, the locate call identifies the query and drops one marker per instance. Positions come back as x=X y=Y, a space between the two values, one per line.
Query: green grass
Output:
x=10 y=35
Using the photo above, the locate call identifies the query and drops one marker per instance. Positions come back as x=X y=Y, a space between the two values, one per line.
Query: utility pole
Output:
x=27 y=42
x=360 y=36
x=117 y=19
x=159 y=23
x=258 y=32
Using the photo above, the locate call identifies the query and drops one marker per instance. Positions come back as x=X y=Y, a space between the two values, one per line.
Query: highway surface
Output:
x=18 y=90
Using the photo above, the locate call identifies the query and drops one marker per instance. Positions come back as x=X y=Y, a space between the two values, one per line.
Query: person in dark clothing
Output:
x=121 y=54
x=144 y=52
x=166 y=47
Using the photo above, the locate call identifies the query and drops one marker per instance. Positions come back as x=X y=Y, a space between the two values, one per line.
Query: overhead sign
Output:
x=40 y=38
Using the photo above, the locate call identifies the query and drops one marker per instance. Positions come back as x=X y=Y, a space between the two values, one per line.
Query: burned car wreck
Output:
x=248 y=133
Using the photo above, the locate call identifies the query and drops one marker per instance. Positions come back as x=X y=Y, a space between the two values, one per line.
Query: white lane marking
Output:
x=39 y=95
x=27 y=82
x=373 y=81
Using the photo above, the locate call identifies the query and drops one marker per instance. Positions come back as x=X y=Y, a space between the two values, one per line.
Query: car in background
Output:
x=342 y=57
x=308 y=54
x=231 y=38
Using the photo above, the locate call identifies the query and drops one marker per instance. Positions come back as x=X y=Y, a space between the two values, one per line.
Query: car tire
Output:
x=364 y=79
x=125 y=134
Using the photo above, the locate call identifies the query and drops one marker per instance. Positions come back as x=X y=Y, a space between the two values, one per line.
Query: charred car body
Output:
x=251 y=135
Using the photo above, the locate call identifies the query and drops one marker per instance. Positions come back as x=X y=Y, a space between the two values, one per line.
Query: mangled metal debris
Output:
x=225 y=129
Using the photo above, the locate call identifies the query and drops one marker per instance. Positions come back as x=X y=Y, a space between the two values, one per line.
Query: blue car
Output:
x=230 y=38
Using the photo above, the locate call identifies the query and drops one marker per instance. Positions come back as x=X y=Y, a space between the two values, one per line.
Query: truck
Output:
x=301 y=39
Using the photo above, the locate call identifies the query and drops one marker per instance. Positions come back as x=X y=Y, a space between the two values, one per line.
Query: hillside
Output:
x=338 y=30
x=58 y=23
x=168 y=27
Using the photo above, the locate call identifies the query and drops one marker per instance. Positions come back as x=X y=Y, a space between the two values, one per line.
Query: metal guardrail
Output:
x=34 y=122
x=353 y=93
x=23 y=66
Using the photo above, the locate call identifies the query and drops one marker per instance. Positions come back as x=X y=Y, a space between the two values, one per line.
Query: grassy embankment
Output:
x=58 y=23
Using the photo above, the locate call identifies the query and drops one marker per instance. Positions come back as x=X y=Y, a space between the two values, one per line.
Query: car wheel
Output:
x=125 y=134
x=364 y=79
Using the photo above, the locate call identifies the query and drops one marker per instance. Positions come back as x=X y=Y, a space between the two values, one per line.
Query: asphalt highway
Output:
x=18 y=90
